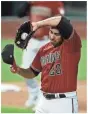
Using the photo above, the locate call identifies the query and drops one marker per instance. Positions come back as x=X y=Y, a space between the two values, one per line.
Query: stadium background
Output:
x=12 y=101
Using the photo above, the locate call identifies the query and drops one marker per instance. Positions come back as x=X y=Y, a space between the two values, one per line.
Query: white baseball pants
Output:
x=58 y=105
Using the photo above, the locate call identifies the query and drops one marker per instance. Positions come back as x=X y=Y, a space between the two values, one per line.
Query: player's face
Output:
x=55 y=37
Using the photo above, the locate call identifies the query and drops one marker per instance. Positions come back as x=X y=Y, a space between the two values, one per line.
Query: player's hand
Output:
x=14 y=68
x=35 y=26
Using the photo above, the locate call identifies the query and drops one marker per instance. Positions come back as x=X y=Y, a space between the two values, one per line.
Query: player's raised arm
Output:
x=59 y=22
x=53 y=21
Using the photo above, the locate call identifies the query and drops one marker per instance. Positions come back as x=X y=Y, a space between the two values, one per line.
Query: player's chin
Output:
x=53 y=43
x=56 y=44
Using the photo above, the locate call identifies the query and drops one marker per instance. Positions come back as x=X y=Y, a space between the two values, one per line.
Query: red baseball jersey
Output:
x=59 y=66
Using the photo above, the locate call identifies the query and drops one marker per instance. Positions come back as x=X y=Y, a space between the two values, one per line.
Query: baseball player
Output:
x=58 y=63
x=37 y=11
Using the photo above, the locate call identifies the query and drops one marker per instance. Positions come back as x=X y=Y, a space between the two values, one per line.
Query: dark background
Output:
x=8 y=8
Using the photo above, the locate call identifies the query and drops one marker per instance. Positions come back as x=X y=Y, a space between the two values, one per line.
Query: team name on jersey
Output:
x=50 y=58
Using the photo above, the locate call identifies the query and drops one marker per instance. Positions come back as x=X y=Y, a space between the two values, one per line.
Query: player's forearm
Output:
x=53 y=21
x=26 y=73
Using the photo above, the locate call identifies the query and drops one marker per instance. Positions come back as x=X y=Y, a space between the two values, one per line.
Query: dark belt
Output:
x=52 y=96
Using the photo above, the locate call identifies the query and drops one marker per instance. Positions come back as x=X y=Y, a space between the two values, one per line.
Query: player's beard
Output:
x=56 y=44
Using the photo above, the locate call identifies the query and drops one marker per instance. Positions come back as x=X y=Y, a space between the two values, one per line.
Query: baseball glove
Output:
x=23 y=35
x=7 y=54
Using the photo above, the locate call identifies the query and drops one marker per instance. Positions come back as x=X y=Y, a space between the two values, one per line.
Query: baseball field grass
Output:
x=7 y=76
x=5 y=109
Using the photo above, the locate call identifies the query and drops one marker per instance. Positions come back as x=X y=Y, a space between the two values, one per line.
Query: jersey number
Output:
x=56 y=70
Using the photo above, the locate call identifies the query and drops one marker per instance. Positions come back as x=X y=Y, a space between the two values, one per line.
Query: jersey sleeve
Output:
x=73 y=44
x=36 y=64
x=65 y=27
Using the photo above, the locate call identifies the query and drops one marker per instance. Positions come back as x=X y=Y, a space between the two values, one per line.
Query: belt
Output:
x=53 y=96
